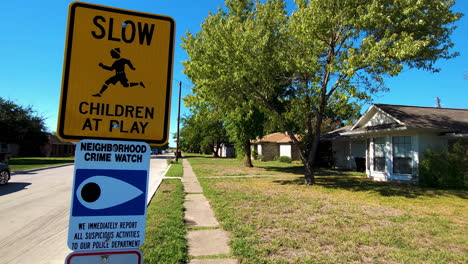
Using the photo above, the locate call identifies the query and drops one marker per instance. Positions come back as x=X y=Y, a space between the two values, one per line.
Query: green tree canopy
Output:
x=21 y=125
x=203 y=130
x=320 y=62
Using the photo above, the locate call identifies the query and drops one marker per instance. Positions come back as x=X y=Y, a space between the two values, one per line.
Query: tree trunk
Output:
x=306 y=158
x=309 y=164
x=247 y=154
x=215 y=151
x=309 y=173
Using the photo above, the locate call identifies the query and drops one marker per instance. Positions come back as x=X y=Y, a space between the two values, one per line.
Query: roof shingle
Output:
x=428 y=117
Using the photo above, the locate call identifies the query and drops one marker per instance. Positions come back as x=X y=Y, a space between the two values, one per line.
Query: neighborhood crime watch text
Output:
x=121 y=152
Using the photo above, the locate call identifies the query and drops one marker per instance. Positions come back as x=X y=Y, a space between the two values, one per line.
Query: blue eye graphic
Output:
x=101 y=192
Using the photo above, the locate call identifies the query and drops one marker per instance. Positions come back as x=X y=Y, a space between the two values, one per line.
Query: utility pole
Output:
x=178 y=124
x=438 y=102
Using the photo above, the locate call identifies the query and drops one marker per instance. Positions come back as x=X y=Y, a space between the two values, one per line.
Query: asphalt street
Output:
x=34 y=213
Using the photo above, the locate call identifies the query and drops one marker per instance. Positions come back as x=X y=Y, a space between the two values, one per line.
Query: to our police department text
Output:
x=108 y=235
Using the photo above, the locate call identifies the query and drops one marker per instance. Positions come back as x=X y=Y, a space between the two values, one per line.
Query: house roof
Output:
x=428 y=117
x=54 y=140
x=402 y=117
x=337 y=133
x=277 y=137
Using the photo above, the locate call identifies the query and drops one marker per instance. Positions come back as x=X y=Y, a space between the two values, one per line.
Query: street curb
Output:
x=150 y=198
x=40 y=169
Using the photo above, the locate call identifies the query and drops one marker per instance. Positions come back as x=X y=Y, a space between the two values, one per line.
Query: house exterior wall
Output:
x=340 y=154
x=388 y=173
x=285 y=150
x=227 y=151
x=295 y=152
x=432 y=141
x=397 y=137
x=8 y=151
x=270 y=150
x=344 y=152
x=273 y=150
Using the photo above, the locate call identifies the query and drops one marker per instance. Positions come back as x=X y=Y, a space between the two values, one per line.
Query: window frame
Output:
x=379 y=162
x=402 y=155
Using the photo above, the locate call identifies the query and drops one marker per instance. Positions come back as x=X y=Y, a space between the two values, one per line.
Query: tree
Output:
x=189 y=138
x=346 y=48
x=243 y=123
x=21 y=125
x=320 y=62
x=211 y=47
x=202 y=131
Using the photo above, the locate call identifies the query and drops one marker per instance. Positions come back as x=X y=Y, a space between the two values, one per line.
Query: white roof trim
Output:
x=359 y=120
x=349 y=133
x=456 y=135
x=368 y=111
x=387 y=114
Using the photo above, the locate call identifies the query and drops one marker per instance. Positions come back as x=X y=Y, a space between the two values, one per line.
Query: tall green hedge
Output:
x=443 y=169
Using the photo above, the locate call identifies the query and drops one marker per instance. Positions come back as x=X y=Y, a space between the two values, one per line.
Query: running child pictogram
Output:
x=119 y=67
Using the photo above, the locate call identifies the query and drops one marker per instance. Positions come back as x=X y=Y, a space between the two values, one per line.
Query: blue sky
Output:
x=33 y=40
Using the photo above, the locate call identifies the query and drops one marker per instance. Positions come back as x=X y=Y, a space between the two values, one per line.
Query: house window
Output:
x=402 y=161
x=3 y=148
x=379 y=154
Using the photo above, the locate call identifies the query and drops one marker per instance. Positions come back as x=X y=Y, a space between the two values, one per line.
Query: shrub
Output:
x=255 y=154
x=171 y=161
x=443 y=169
x=260 y=157
x=285 y=159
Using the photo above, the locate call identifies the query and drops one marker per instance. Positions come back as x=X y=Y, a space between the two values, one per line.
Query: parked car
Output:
x=154 y=152
x=5 y=173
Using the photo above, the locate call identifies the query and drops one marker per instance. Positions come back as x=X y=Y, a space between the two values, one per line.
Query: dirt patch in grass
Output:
x=379 y=211
x=209 y=167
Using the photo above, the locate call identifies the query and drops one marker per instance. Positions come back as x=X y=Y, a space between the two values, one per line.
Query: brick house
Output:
x=275 y=145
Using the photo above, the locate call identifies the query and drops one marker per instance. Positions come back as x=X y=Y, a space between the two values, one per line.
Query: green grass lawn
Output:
x=176 y=170
x=165 y=240
x=207 y=166
x=344 y=218
x=29 y=163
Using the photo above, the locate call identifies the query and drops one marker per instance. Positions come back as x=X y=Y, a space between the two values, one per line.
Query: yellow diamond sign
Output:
x=117 y=75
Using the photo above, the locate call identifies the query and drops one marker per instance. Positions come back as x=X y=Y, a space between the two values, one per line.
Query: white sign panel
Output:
x=108 y=205
x=110 y=257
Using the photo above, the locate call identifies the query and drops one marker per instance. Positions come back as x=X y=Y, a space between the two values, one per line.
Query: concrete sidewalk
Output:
x=212 y=239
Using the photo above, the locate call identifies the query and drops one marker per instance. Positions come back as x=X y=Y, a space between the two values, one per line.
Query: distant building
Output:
x=57 y=148
x=276 y=145
x=227 y=150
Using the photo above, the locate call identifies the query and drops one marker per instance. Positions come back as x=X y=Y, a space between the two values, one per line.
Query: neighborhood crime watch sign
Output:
x=109 y=195
x=117 y=75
